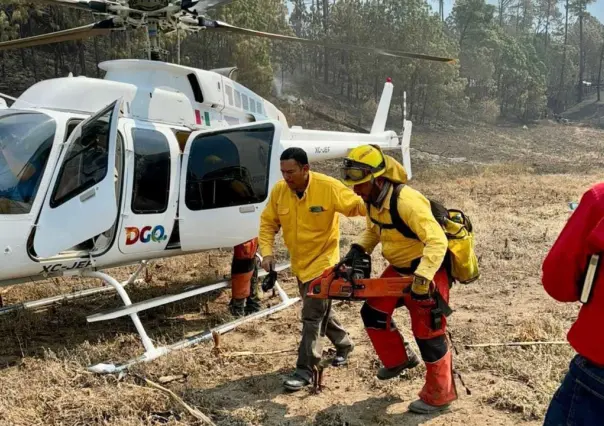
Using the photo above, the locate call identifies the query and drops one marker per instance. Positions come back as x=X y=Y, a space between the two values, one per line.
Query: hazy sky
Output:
x=596 y=8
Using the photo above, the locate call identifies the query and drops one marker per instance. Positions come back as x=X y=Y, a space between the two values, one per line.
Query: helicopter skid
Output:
x=40 y=303
x=152 y=352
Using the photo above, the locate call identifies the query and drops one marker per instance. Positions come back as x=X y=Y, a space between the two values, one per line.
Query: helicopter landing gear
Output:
x=151 y=351
x=40 y=303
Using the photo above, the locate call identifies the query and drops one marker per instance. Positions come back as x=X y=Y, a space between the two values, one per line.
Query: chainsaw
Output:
x=353 y=282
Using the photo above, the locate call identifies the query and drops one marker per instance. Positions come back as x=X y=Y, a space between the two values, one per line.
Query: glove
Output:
x=420 y=289
x=355 y=252
x=269 y=281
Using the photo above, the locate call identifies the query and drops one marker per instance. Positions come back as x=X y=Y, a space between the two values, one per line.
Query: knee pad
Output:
x=372 y=318
x=432 y=349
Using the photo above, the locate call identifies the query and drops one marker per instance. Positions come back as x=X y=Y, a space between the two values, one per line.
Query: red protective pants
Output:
x=439 y=388
x=242 y=268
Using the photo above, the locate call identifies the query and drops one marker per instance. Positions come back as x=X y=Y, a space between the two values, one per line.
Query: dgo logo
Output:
x=144 y=235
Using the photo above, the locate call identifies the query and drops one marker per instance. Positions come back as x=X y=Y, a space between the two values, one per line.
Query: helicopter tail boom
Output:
x=328 y=145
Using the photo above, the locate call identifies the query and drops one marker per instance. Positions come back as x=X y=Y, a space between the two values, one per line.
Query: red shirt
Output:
x=564 y=268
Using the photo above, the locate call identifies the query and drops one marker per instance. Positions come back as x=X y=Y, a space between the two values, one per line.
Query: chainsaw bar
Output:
x=330 y=286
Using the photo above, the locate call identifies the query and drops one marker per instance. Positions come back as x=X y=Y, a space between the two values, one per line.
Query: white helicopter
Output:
x=141 y=165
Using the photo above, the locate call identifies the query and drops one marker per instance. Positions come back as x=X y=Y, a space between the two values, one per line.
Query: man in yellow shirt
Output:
x=420 y=251
x=305 y=205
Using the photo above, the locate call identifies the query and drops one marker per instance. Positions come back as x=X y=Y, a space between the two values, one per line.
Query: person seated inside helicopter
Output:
x=25 y=144
x=219 y=183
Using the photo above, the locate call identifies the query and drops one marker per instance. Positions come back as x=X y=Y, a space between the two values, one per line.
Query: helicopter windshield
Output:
x=26 y=139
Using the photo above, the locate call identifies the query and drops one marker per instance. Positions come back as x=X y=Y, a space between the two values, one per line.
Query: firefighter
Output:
x=373 y=176
x=244 y=269
x=305 y=206
x=244 y=279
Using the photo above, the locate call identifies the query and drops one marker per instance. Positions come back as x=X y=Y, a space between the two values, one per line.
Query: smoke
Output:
x=278 y=91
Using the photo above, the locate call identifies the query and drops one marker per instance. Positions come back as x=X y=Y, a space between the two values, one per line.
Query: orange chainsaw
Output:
x=343 y=282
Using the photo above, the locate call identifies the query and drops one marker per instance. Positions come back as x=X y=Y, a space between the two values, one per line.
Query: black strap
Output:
x=397 y=221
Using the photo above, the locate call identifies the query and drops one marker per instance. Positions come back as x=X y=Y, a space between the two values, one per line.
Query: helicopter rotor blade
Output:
x=210 y=24
x=99 y=28
x=201 y=6
x=94 y=6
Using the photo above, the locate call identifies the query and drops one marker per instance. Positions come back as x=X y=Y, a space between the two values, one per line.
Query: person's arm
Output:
x=269 y=225
x=565 y=263
x=369 y=237
x=415 y=211
x=347 y=202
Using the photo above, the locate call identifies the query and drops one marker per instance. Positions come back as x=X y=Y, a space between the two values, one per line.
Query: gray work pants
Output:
x=313 y=314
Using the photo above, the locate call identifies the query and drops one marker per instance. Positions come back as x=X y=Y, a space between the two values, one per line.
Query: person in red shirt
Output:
x=580 y=398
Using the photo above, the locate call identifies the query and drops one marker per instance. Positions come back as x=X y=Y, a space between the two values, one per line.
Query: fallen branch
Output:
x=485 y=345
x=193 y=411
x=246 y=353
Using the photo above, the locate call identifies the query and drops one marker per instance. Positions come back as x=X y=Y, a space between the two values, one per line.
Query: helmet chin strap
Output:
x=377 y=201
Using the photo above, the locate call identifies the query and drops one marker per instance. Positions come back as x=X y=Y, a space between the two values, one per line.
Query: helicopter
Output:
x=153 y=160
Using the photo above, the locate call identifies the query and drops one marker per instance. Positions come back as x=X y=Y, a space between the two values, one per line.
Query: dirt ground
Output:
x=515 y=184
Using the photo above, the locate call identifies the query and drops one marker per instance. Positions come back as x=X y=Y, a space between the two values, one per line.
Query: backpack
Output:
x=461 y=259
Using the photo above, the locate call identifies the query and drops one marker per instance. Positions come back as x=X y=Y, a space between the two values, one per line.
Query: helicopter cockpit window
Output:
x=230 y=168
x=25 y=142
x=86 y=161
x=151 y=187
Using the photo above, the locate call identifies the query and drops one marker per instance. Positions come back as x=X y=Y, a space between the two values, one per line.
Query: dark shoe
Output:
x=237 y=308
x=389 y=373
x=420 y=407
x=252 y=307
x=341 y=357
x=295 y=383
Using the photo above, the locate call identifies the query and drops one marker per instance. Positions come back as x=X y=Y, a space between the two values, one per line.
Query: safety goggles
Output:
x=354 y=171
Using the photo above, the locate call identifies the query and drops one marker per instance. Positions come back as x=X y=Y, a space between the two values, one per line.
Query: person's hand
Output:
x=268 y=263
x=420 y=289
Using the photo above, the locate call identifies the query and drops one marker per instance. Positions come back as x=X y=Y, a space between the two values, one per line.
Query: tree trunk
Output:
x=598 y=87
x=563 y=53
x=549 y=12
x=581 y=57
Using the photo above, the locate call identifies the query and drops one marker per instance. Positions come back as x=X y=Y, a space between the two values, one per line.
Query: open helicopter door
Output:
x=226 y=177
x=81 y=200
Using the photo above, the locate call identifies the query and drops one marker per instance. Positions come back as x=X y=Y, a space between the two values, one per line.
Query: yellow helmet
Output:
x=362 y=164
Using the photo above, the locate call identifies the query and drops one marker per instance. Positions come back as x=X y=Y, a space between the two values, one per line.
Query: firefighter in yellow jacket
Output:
x=305 y=206
x=374 y=176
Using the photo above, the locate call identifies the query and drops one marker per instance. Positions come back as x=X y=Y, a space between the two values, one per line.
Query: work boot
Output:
x=342 y=355
x=237 y=307
x=389 y=373
x=252 y=306
x=296 y=382
x=420 y=407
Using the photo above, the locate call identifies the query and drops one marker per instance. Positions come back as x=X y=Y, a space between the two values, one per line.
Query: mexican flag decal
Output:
x=206 y=116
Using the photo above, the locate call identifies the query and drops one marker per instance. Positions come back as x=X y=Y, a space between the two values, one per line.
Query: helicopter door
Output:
x=226 y=178
x=151 y=188
x=81 y=201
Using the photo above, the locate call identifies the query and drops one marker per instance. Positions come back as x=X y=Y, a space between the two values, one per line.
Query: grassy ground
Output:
x=515 y=183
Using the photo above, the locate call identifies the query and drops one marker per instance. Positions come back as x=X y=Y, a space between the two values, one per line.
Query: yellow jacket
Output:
x=311 y=225
x=399 y=250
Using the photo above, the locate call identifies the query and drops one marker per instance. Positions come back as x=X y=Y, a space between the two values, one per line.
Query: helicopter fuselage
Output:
x=153 y=161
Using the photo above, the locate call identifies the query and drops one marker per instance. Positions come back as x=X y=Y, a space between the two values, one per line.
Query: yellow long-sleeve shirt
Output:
x=310 y=224
x=399 y=250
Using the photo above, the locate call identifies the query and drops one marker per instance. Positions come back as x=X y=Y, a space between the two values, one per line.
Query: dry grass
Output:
x=518 y=209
